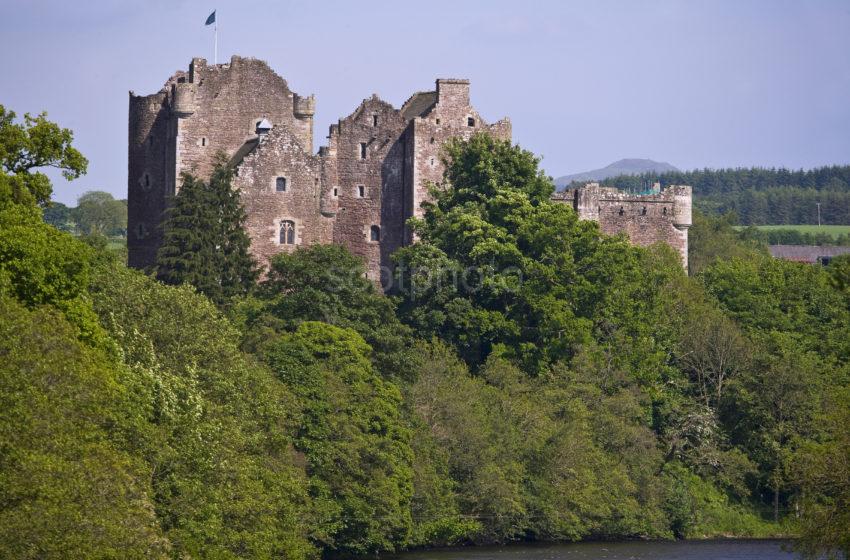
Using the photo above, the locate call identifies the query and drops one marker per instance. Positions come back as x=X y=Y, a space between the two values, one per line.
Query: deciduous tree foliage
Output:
x=356 y=444
x=327 y=283
x=565 y=385
x=27 y=147
x=499 y=265
x=67 y=488
x=219 y=426
x=98 y=213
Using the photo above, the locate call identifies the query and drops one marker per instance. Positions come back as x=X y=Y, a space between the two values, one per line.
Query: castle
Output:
x=358 y=191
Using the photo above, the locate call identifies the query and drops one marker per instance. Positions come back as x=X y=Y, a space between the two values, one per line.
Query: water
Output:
x=638 y=550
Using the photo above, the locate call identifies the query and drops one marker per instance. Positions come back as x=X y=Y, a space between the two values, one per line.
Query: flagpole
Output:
x=215 y=54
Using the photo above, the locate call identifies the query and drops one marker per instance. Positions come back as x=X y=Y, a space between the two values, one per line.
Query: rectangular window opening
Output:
x=362 y=150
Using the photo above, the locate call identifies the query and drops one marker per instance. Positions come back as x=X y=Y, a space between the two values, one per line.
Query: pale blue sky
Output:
x=714 y=83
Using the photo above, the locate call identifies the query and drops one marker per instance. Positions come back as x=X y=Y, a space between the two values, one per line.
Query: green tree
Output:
x=839 y=272
x=327 y=283
x=205 y=243
x=355 y=441
x=766 y=294
x=59 y=216
x=822 y=470
x=713 y=237
x=500 y=266
x=772 y=408
x=67 y=488
x=40 y=265
x=29 y=146
x=219 y=426
x=98 y=213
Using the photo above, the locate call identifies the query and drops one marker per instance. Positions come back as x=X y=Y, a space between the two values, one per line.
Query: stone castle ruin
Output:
x=659 y=215
x=358 y=191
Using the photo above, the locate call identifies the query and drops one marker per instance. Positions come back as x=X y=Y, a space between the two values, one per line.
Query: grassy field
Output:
x=813 y=229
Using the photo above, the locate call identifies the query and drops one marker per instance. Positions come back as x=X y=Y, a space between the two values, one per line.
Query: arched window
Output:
x=375 y=233
x=287 y=232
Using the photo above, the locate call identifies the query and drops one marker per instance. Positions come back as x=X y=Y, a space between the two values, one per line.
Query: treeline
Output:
x=794 y=237
x=528 y=378
x=96 y=213
x=760 y=196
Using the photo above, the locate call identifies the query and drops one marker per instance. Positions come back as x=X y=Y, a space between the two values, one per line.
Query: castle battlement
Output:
x=661 y=215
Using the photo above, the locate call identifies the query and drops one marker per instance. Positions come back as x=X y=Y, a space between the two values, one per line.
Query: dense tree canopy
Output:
x=531 y=378
x=500 y=267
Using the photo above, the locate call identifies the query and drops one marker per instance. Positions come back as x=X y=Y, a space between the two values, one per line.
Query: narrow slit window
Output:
x=643 y=211
x=203 y=141
x=375 y=233
x=374 y=120
x=336 y=192
x=147 y=180
x=287 y=232
x=280 y=184
x=361 y=191
x=362 y=150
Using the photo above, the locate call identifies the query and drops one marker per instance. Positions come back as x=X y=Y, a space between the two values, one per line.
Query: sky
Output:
x=693 y=83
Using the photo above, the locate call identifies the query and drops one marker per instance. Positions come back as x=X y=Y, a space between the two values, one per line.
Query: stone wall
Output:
x=365 y=162
x=663 y=216
x=451 y=116
x=150 y=175
x=279 y=155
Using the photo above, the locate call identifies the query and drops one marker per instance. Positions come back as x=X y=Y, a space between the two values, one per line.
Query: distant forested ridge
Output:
x=760 y=195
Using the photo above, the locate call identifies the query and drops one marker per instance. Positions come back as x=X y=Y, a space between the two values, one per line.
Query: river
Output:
x=633 y=550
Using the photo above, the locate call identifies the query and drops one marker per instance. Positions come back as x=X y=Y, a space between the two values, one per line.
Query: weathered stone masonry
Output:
x=662 y=216
x=358 y=191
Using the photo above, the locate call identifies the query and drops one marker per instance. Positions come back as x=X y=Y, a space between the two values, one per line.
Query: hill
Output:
x=621 y=167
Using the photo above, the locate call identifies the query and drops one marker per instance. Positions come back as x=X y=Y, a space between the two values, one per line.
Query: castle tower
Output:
x=198 y=114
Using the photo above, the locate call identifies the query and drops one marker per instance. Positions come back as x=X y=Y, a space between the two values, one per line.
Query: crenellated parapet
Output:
x=660 y=215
